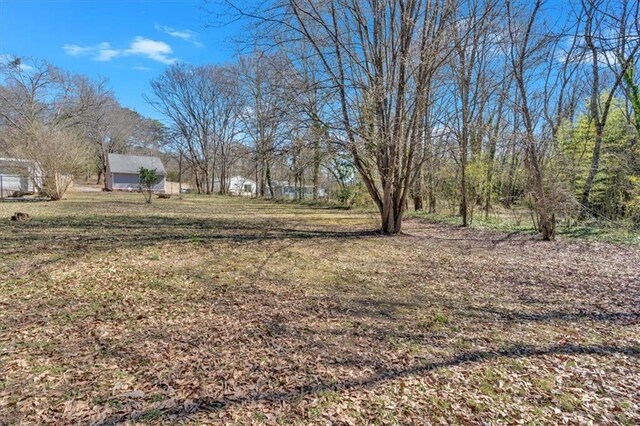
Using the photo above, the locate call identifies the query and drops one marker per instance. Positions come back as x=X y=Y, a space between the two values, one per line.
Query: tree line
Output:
x=66 y=124
x=464 y=107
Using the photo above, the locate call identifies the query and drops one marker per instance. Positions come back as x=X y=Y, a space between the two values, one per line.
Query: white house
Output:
x=123 y=172
x=238 y=185
x=18 y=175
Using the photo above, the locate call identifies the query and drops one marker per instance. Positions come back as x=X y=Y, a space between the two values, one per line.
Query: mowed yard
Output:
x=218 y=310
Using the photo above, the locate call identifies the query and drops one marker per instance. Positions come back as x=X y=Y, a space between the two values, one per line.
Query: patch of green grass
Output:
x=625 y=405
x=538 y=413
x=99 y=400
x=625 y=420
x=157 y=397
x=440 y=405
x=517 y=366
x=38 y=345
x=115 y=404
x=440 y=318
x=150 y=415
x=154 y=256
x=259 y=416
x=544 y=384
x=156 y=284
x=568 y=402
x=605 y=234
x=477 y=406
x=487 y=388
x=324 y=400
x=506 y=223
x=74 y=393
x=51 y=369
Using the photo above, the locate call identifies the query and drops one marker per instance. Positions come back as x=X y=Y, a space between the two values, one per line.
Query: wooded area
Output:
x=470 y=103
x=456 y=107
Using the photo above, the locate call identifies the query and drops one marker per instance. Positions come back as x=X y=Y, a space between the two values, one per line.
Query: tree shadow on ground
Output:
x=363 y=322
x=515 y=352
x=70 y=234
x=620 y=318
x=372 y=308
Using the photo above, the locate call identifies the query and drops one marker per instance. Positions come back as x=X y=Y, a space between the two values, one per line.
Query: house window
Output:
x=247 y=187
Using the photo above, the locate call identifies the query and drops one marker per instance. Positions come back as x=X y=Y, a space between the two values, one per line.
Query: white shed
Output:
x=123 y=172
x=18 y=175
x=239 y=185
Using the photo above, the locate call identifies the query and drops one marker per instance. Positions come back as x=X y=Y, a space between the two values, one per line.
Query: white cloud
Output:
x=585 y=57
x=102 y=52
x=106 y=53
x=76 y=50
x=141 y=68
x=158 y=51
x=154 y=50
x=186 y=35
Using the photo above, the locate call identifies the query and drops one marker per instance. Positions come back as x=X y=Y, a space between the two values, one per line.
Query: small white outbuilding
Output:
x=18 y=176
x=238 y=185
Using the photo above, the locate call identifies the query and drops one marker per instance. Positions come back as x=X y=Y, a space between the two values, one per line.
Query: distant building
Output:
x=238 y=185
x=287 y=190
x=18 y=176
x=123 y=172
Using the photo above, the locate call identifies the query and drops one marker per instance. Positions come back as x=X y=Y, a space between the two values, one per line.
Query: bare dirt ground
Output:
x=232 y=311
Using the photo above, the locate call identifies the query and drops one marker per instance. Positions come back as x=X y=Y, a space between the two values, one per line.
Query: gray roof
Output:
x=131 y=164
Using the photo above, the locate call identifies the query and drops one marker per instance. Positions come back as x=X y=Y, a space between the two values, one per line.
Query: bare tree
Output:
x=190 y=97
x=42 y=109
x=264 y=113
x=475 y=83
x=378 y=57
x=111 y=129
x=226 y=126
x=524 y=49
x=607 y=41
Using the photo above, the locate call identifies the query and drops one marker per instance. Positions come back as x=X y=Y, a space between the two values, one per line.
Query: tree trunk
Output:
x=196 y=176
x=391 y=219
x=463 y=191
x=418 y=202
x=489 y=179
x=431 y=191
x=268 y=179
x=223 y=178
x=207 y=182
x=546 y=217
x=508 y=190
x=595 y=164
x=316 y=167
x=418 y=191
x=180 y=174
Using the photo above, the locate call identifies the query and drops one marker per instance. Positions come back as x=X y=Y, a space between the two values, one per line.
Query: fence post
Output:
x=1 y=189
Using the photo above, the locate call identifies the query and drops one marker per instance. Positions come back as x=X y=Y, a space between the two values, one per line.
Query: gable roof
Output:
x=13 y=165
x=131 y=164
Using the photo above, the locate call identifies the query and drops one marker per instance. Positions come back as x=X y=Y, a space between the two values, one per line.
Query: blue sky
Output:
x=127 y=41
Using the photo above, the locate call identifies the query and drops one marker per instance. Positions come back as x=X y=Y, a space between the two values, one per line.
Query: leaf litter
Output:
x=226 y=311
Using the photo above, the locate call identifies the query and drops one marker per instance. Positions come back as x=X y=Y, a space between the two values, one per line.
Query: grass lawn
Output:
x=231 y=311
